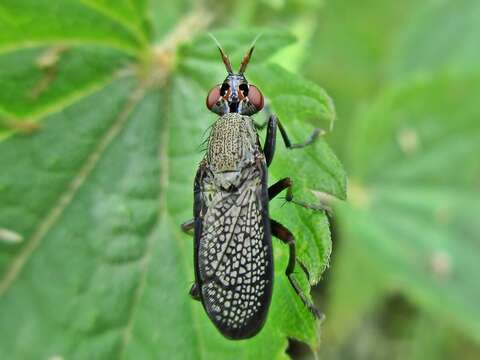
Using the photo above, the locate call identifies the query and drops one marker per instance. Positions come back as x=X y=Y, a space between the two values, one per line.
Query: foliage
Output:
x=102 y=120
x=409 y=230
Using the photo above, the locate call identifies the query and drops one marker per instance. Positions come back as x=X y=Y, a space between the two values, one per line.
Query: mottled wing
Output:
x=234 y=256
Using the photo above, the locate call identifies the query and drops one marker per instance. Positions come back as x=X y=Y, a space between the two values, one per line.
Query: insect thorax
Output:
x=232 y=143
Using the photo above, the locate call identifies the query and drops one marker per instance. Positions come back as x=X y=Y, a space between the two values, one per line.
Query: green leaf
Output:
x=97 y=194
x=303 y=100
x=164 y=16
x=415 y=181
x=444 y=35
x=75 y=131
x=433 y=340
x=348 y=52
x=36 y=80
x=130 y=14
x=37 y=22
x=355 y=289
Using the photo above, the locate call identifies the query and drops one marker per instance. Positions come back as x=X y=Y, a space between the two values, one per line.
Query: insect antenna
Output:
x=225 y=59
x=248 y=55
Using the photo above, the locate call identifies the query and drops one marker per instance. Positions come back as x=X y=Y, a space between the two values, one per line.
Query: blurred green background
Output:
x=404 y=274
x=404 y=281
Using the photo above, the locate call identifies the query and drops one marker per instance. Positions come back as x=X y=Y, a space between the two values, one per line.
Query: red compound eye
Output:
x=213 y=97
x=255 y=97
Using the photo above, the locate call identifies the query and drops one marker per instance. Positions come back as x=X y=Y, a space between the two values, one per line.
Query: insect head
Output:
x=235 y=94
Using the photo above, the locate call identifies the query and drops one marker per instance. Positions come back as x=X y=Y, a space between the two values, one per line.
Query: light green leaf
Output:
x=348 y=52
x=76 y=130
x=442 y=36
x=415 y=182
x=25 y=23
x=303 y=100
x=130 y=14
x=356 y=288
x=40 y=80
x=164 y=15
x=97 y=195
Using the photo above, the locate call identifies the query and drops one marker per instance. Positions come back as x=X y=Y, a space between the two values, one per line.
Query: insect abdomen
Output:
x=234 y=255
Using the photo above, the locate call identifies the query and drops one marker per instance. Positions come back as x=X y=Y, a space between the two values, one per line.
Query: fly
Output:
x=233 y=255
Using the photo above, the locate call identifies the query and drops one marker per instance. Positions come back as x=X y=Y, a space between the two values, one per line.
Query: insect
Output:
x=232 y=228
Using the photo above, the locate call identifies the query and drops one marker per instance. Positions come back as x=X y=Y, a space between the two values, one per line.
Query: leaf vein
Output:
x=61 y=104
x=66 y=197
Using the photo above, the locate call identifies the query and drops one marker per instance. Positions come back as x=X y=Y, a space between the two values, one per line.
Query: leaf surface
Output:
x=98 y=193
x=415 y=195
x=443 y=36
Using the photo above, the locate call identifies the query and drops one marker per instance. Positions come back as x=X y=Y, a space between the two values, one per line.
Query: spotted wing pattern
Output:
x=234 y=259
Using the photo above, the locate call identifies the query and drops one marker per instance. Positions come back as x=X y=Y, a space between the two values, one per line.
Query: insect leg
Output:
x=264 y=123
x=187 y=226
x=194 y=293
x=315 y=133
x=260 y=126
x=282 y=233
x=287 y=183
x=270 y=139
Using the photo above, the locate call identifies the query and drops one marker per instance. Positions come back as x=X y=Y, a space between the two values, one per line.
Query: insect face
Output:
x=235 y=94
